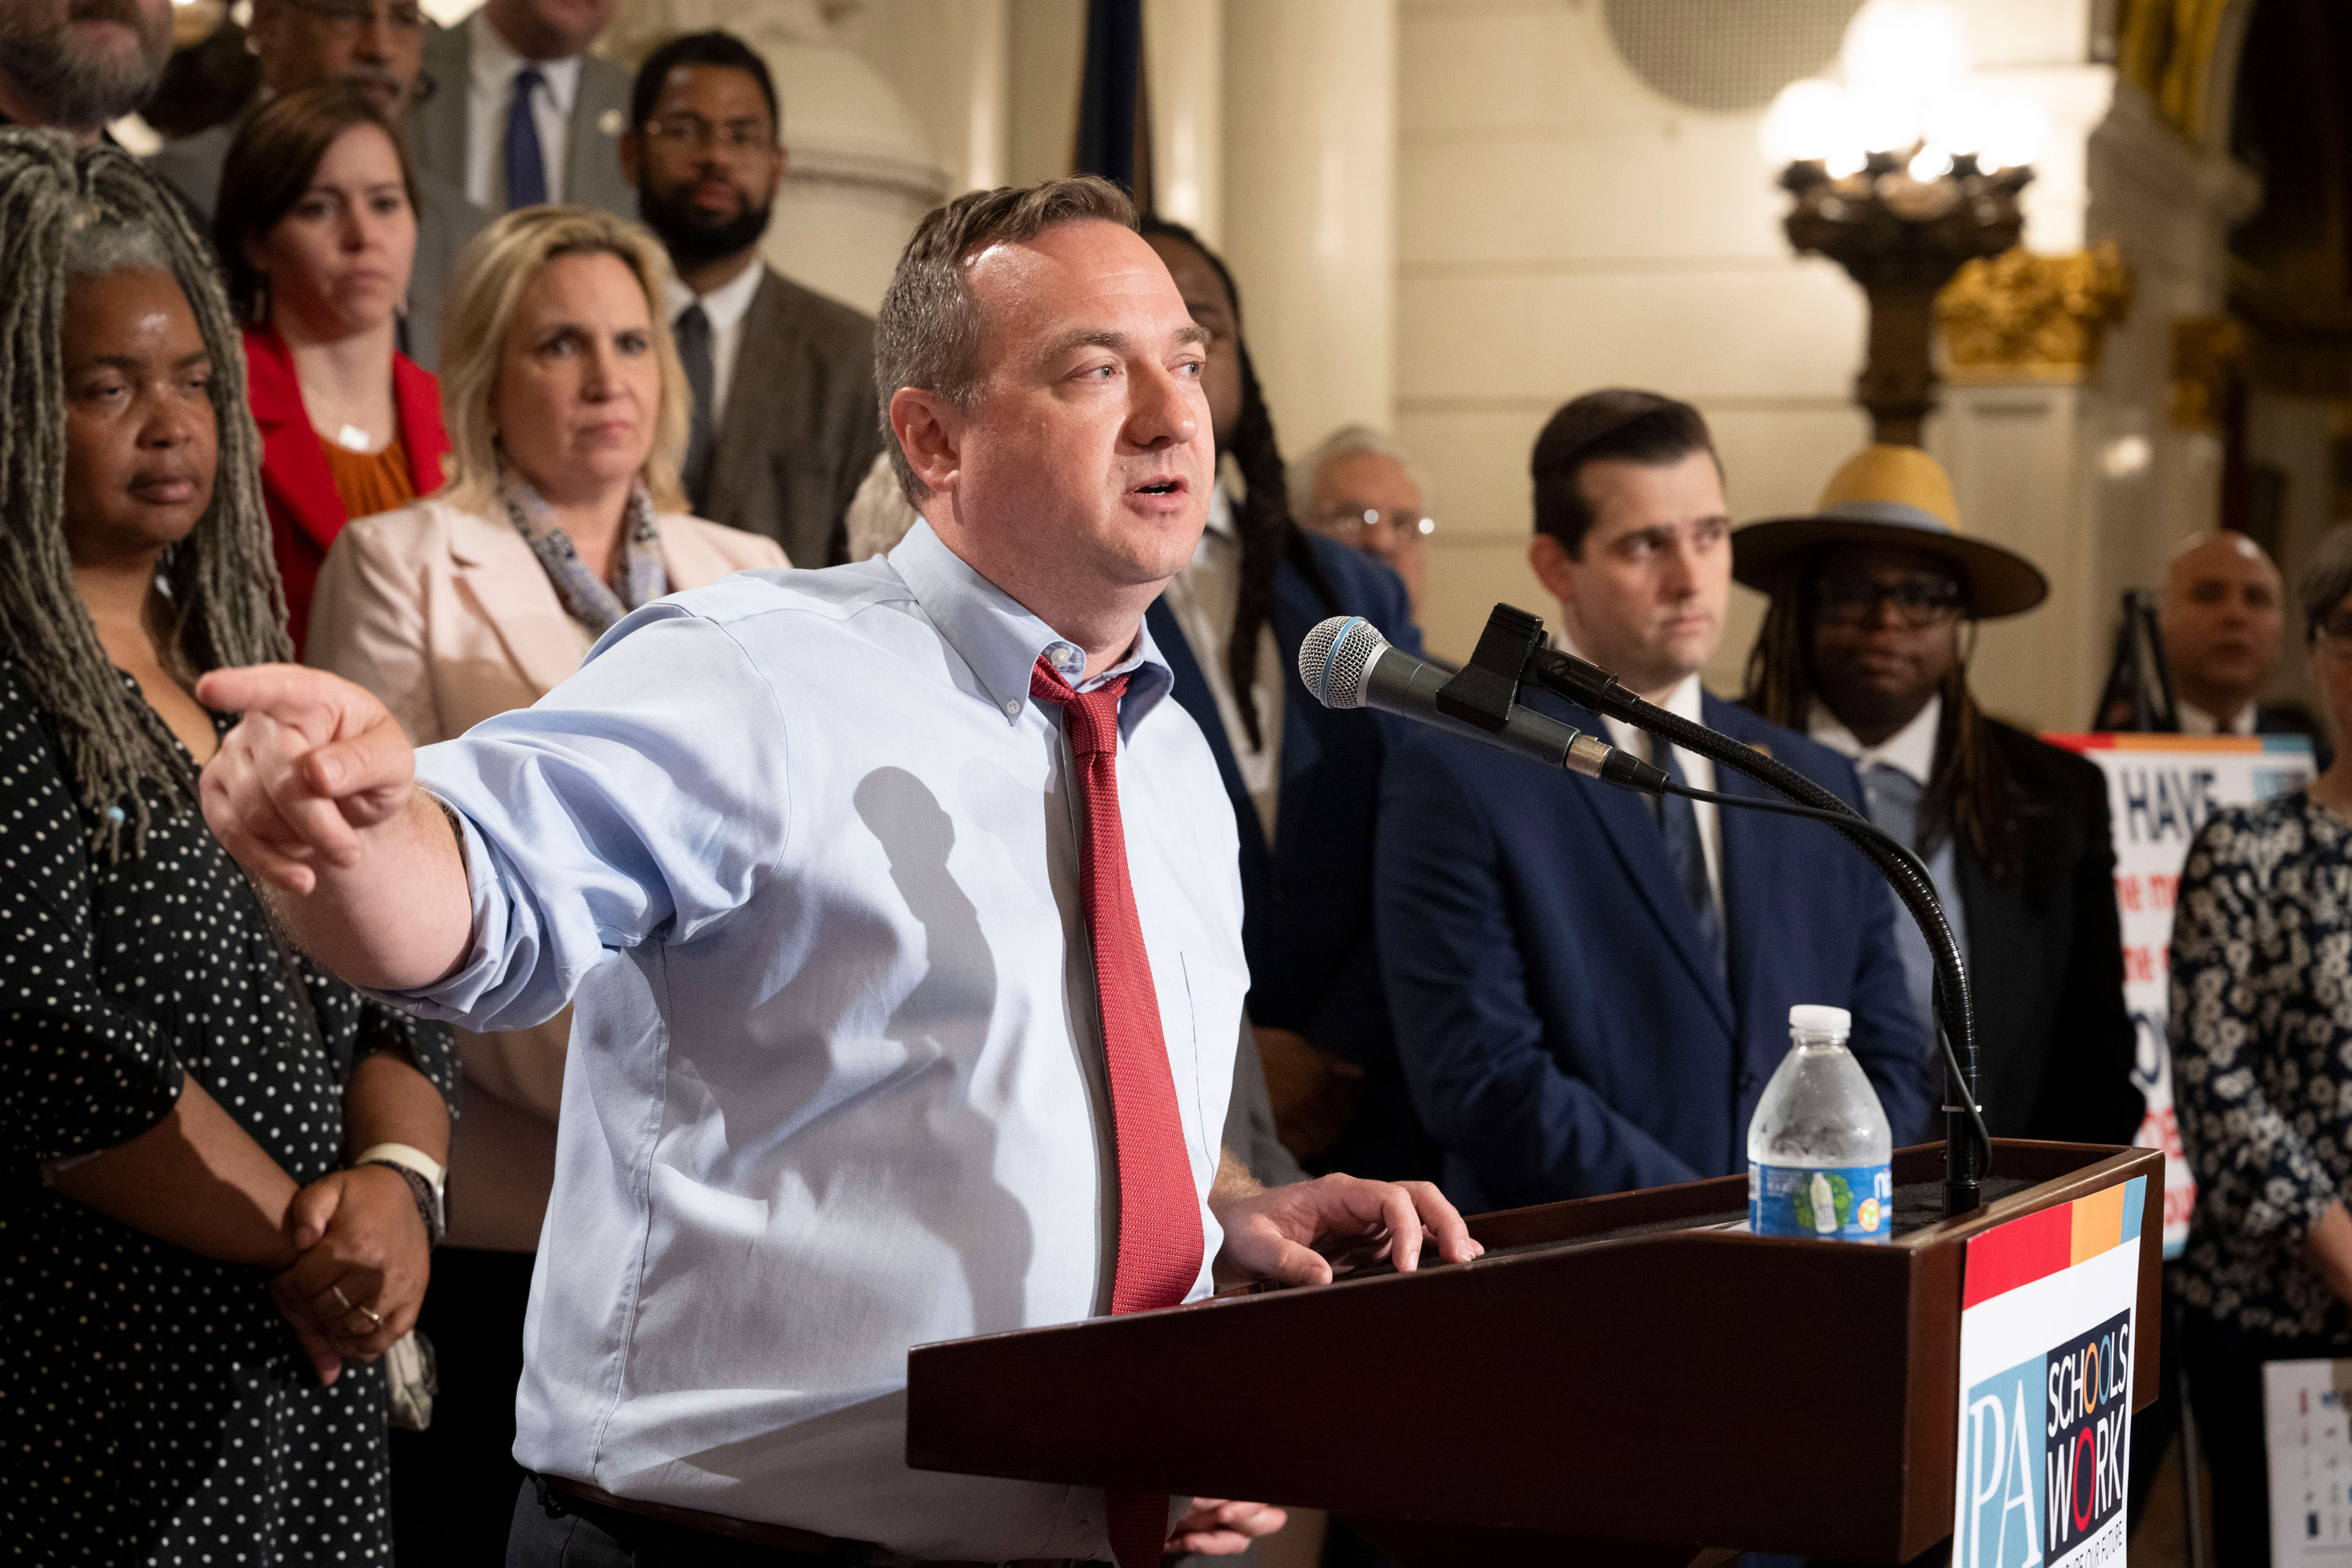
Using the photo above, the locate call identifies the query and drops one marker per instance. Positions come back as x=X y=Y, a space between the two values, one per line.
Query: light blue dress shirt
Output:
x=807 y=854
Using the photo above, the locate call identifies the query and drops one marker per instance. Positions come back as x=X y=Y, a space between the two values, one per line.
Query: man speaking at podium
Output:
x=1590 y=992
x=903 y=915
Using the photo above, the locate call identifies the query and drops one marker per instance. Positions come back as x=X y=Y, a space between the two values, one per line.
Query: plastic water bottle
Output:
x=1819 y=1146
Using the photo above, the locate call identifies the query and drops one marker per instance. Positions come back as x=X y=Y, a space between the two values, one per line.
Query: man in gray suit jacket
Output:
x=302 y=44
x=785 y=423
x=520 y=113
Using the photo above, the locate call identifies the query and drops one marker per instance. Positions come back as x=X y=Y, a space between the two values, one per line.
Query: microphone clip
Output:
x=1485 y=690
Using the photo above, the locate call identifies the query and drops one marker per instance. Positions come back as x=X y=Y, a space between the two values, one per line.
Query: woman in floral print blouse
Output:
x=2261 y=1046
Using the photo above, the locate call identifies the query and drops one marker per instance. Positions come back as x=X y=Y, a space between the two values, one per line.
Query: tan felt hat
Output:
x=1896 y=496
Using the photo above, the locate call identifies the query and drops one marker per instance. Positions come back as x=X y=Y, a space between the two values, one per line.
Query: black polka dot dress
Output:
x=154 y=1407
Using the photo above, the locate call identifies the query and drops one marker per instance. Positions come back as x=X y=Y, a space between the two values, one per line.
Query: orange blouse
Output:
x=370 y=482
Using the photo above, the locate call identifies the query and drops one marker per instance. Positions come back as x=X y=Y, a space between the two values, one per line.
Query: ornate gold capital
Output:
x=2022 y=317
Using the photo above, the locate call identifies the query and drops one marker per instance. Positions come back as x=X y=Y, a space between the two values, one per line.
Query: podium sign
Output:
x=2161 y=789
x=2049 y=1307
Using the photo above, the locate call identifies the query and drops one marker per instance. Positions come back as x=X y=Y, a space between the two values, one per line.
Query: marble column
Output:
x=1310 y=125
x=1184 y=78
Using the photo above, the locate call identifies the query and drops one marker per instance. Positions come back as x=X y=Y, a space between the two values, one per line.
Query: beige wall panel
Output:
x=1466 y=579
x=1793 y=330
x=1520 y=196
x=1474 y=463
x=1511 y=64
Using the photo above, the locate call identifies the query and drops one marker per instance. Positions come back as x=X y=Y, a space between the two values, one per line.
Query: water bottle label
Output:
x=1836 y=1202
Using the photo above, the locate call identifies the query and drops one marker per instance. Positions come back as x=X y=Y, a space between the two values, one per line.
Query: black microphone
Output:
x=1346 y=663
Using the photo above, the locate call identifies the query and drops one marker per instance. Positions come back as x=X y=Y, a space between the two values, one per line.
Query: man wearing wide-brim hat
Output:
x=1875 y=599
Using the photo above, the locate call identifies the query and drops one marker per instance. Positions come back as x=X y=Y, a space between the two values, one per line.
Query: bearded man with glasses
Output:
x=1875 y=599
x=704 y=150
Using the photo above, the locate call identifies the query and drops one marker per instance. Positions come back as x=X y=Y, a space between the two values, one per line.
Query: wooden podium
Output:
x=1616 y=1382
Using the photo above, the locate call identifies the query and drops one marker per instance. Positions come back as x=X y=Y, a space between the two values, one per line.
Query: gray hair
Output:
x=927 y=333
x=94 y=250
x=1345 y=442
x=2326 y=579
x=66 y=214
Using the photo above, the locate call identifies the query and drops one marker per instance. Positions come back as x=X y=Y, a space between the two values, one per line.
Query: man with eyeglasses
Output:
x=795 y=369
x=520 y=111
x=1591 y=988
x=1874 y=600
x=1357 y=487
x=75 y=65
x=376 y=46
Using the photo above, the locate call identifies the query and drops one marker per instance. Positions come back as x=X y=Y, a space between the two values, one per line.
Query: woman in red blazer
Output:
x=317 y=223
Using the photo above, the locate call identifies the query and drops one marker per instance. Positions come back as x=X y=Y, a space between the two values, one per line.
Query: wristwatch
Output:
x=427 y=1181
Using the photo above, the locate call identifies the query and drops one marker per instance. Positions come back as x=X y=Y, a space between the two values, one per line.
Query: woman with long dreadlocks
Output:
x=204 y=1255
x=1874 y=600
x=1305 y=782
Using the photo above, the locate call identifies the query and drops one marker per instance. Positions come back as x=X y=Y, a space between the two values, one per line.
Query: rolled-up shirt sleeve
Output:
x=644 y=798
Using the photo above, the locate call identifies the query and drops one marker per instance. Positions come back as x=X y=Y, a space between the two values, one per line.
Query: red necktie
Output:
x=1160 y=1238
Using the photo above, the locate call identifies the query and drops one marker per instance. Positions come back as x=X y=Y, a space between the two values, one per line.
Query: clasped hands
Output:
x=362 y=1261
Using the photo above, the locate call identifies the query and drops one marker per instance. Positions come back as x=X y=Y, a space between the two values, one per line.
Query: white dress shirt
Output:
x=2195 y=721
x=1205 y=596
x=490 y=92
x=725 y=307
x=807 y=852
x=1684 y=701
x=1911 y=749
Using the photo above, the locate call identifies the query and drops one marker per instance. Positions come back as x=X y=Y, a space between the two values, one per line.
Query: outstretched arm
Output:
x=314 y=793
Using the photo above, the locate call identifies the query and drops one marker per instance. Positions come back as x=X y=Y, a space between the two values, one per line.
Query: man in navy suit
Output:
x=1590 y=992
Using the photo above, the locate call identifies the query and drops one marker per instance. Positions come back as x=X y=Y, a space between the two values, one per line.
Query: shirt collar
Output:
x=1910 y=750
x=1001 y=640
x=723 y=306
x=1221 y=513
x=495 y=63
x=2196 y=720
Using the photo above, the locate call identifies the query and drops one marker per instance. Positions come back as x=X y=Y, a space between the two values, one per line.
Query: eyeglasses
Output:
x=2335 y=633
x=1352 y=523
x=693 y=130
x=349 y=15
x=1918 y=601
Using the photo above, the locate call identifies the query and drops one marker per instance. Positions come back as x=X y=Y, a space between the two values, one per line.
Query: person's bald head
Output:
x=2224 y=620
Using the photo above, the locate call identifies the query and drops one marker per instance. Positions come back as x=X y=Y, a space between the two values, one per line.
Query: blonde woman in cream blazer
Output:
x=568 y=415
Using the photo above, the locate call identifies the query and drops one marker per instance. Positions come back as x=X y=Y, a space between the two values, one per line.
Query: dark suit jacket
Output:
x=297 y=486
x=801 y=425
x=591 y=146
x=2055 y=1042
x=1564 y=1031
x=1307 y=922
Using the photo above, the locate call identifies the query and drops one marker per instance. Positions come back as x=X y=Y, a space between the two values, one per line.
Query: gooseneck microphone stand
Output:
x=1512 y=650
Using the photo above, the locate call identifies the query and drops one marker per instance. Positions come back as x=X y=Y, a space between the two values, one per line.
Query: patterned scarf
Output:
x=591 y=603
